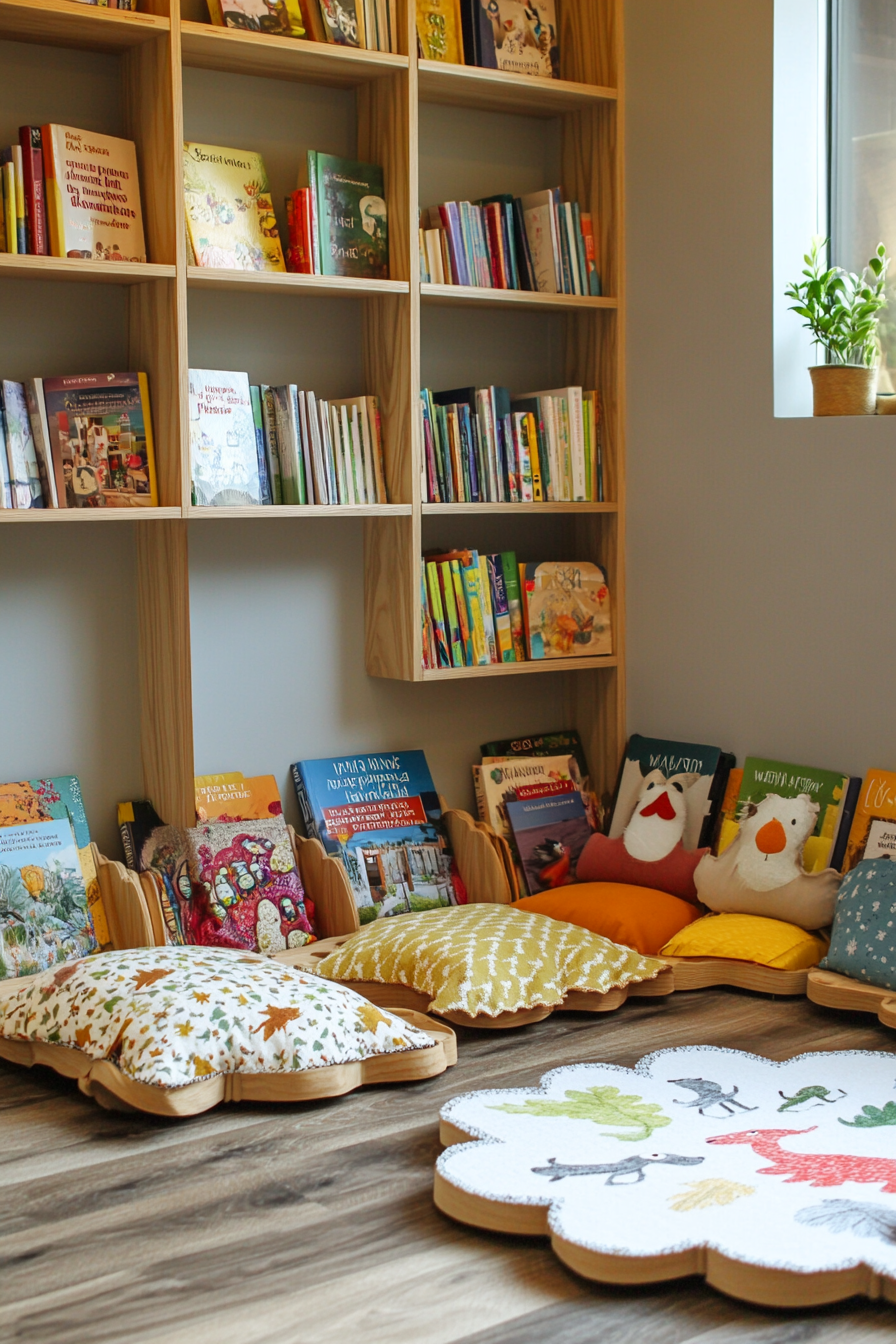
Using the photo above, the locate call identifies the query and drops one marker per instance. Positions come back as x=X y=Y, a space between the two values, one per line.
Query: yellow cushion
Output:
x=770 y=942
x=639 y=917
x=486 y=959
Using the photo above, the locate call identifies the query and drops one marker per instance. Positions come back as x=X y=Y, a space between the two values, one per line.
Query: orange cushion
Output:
x=637 y=917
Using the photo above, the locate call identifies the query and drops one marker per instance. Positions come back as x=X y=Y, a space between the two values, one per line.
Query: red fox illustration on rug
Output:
x=817 y=1169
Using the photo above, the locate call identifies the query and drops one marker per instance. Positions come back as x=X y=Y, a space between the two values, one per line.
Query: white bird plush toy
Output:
x=658 y=821
x=761 y=872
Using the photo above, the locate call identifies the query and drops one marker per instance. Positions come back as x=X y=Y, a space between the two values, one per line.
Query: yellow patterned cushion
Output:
x=770 y=942
x=487 y=959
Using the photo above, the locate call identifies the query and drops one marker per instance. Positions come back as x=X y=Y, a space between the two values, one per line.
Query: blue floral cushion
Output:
x=863 y=939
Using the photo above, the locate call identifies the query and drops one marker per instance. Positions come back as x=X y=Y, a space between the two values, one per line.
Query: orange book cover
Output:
x=233 y=798
x=874 y=821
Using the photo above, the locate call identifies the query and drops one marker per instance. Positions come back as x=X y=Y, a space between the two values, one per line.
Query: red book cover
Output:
x=496 y=246
x=35 y=201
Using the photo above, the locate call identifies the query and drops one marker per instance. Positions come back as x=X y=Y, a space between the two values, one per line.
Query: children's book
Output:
x=151 y=846
x=499 y=780
x=233 y=798
x=43 y=900
x=223 y=442
x=352 y=217
x=550 y=833
x=701 y=770
x=525 y=35
x=872 y=832
x=342 y=21
x=439 y=31
x=380 y=815
x=562 y=742
x=230 y=214
x=828 y=788
x=101 y=428
x=567 y=609
x=24 y=472
x=279 y=18
x=93 y=195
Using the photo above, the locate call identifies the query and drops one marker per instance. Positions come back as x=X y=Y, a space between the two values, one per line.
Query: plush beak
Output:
x=663 y=808
x=771 y=838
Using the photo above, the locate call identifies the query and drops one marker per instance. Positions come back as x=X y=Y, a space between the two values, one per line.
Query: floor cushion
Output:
x=769 y=942
x=637 y=917
x=161 y=1020
x=863 y=939
x=487 y=960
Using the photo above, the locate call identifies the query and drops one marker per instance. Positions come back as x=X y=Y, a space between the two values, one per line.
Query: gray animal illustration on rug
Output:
x=626 y=1166
x=850 y=1215
x=709 y=1094
x=808 y=1097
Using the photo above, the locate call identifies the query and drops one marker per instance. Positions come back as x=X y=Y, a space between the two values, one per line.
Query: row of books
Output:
x=519 y=36
x=482 y=609
x=252 y=444
x=535 y=242
x=77 y=442
x=337 y=219
x=485 y=444
x=369 y=24
x=71 y=193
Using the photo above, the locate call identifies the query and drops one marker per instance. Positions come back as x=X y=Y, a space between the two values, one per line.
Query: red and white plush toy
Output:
x=657 y=823
x=761 y=871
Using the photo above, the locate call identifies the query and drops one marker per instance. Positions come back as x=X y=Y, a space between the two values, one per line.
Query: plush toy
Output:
x=761 y=873
x=650 y=852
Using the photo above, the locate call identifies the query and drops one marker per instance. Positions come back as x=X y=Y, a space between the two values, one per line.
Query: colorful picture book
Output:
x=828 y=788
x=525 y=37
x=43 y=899
x=92 y=195
x=224 y=459
x=230 y=215
x=380 y=815
x=872 y=834
x=341 y=227
x=566 y=609
x=497 y=781
x=439 y=31
x=558 y=743
x=25 y=490
x=281 y=18
x=96 y=432
x=702 y=771
x=232 y=797
x=370 y=24
x=550 y=831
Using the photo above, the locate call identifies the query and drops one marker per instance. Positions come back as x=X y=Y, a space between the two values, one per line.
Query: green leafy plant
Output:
x=872 y=1116
x=841 y=308
x=601 y=1105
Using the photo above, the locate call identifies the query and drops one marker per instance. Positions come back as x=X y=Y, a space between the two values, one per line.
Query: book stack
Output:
x=483 y=609
x=71 y=193
x=484 y=444
x=535 y=242
x=338 y=221
x=79 y=443
x=252 y=444
x=369 y=24
x=510 y=35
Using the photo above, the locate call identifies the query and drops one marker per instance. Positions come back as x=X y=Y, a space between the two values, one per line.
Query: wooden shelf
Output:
x=14 y=267
x=472 y=296
x=520 y=669
x=546 y=506
x=283 y=282
x=237 y=53
x=135 y=515
x=497 y=91
x=304 y=511
x=66 y=23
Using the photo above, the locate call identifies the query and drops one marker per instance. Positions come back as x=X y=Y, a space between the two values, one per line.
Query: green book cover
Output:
x=351 y=211
x=825 y=787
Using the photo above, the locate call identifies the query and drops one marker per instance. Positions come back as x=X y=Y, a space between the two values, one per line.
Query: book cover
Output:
x=701 y=770
x=828 y=788
x=24 y=472
x=44 y=901
x=261 y=449
x=873 y=831
x=568 y=610
x=279 y=18
x=234 y=798
x=565 y=741
x=31 y=150
x=499 y=781
x=101 y=427
x=49 y=465
x=151 y=846
x=230 y=214
x=93 y=195
x=543 y=244
x=224 y=461
x=353 y=224
x=525 y=36
x=380 y=815
x=501 y=609
x=343 y=21
x=550 y=833
x=439 y=30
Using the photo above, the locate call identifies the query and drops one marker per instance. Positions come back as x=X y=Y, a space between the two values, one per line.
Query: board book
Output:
x=550 y=830
x=100 y=430
x=872 y=832
x=93 y=195
x=232 y=797
x=828 y=788
x=706 y=770
x=566 y=609
x=278 y=18
x=230 y=215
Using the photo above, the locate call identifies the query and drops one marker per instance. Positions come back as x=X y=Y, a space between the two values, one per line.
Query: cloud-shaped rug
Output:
x=776 y=1181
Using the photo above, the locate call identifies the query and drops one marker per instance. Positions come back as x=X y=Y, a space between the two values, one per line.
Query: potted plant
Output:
x=841 y=310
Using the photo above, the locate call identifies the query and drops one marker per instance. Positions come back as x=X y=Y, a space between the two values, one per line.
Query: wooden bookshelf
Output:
x=152 y=50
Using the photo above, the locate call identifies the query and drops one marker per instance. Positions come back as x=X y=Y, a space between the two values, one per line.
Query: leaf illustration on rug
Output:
x=708 y=1194
x=872 y=1116
x=614 y=1171
x=601 y=1105
x=808 y=1097
x=848 y=1215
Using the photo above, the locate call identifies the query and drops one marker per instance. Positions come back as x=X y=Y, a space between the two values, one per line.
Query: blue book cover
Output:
x=550 y=834
x=46 y=921
x=380 y=815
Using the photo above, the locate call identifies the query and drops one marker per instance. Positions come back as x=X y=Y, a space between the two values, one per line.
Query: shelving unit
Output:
x=153 y=54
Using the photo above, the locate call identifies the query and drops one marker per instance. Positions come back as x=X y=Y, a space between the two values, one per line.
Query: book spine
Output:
x=472 y=579
x=526 y=451
x=513 y=274
x=462 y=618
x=438 y=616
x=449 y=606
x=503 y=630
x=497 y=259
x=143 y=385
x=35 y=205
x=51 y=481
x=521 y=244
x=22 y=229
x=306 y=811
x=426 y=632
x=9 y=206
x=566 y=280
x=478 y=791
x=264 y=483
x=527 y=587
x=598 y=435
x=55 y=222
x=510 y=571
x=271 y=427
x=311 y=496
x=575 y=420
x=488 y=617
x=590 y=254
x=535 y=457
x=569 y=222
x=315 y=214
x=468 y=439
x=580 y=247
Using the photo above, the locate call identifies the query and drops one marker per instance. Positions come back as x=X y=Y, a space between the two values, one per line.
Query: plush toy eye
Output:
x=650 y=786
x=678 y=787
x=793 y=822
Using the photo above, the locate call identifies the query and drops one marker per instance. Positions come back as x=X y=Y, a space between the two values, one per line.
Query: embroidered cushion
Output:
x=167 y=1017
x=485 y=960
x=605 y=860
x=863 y=939
x=634 y=916
x=769 y=942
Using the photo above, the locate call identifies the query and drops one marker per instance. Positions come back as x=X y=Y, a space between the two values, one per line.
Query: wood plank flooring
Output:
x=314 y=1224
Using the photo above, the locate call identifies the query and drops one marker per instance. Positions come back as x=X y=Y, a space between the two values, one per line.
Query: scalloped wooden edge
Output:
x=735 y=1278
x=402 y=996
x=104 y=1081
x=830 y=990
x=706 y=972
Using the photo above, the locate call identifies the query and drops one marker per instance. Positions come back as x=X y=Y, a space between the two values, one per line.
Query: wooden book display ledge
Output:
x=838 y=991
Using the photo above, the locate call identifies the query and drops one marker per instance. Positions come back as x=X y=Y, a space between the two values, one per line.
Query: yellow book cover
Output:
x=230 y=215
x=439 y=31
x=873 y=831
x=9 y=207
x=568 y=610
x=93 y=195
x=233 y=798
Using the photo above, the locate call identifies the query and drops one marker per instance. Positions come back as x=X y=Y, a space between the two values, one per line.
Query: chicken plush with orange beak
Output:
x=761 y=871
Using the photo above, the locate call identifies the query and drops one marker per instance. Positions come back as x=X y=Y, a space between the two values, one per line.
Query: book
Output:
x=501 y=610
x=499 y=781
x=564 y=741
x=352 y=217
x=478 y=34
x=525 y=37
x=100 y=427
x=299 y=256
x=828 y=788
x=541 y=233
x=44 y=901
x=23 y=222
x=439 y=31
x=872 y=834
x=93 y=195
x=567 y=609
x=24 y=473
x=703 y=772
x=49 y=465
x=231 y=797
x=510 y=570
x=380 y=815
x=230 y=214
x=224 y=460
x=10 y=227
x=151 y=846
x=261 y=449
x=30 y=149
x=343 y=21
x=279 y=18
x=550 y=833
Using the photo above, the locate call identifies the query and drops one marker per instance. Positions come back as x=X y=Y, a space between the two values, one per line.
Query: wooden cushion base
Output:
x=705 y=972
x=838 y=991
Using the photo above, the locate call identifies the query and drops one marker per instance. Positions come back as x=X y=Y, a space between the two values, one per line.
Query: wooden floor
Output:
x=314 y=1224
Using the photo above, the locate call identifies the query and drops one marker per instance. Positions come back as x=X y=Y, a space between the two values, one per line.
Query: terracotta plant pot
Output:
x=843 y=389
